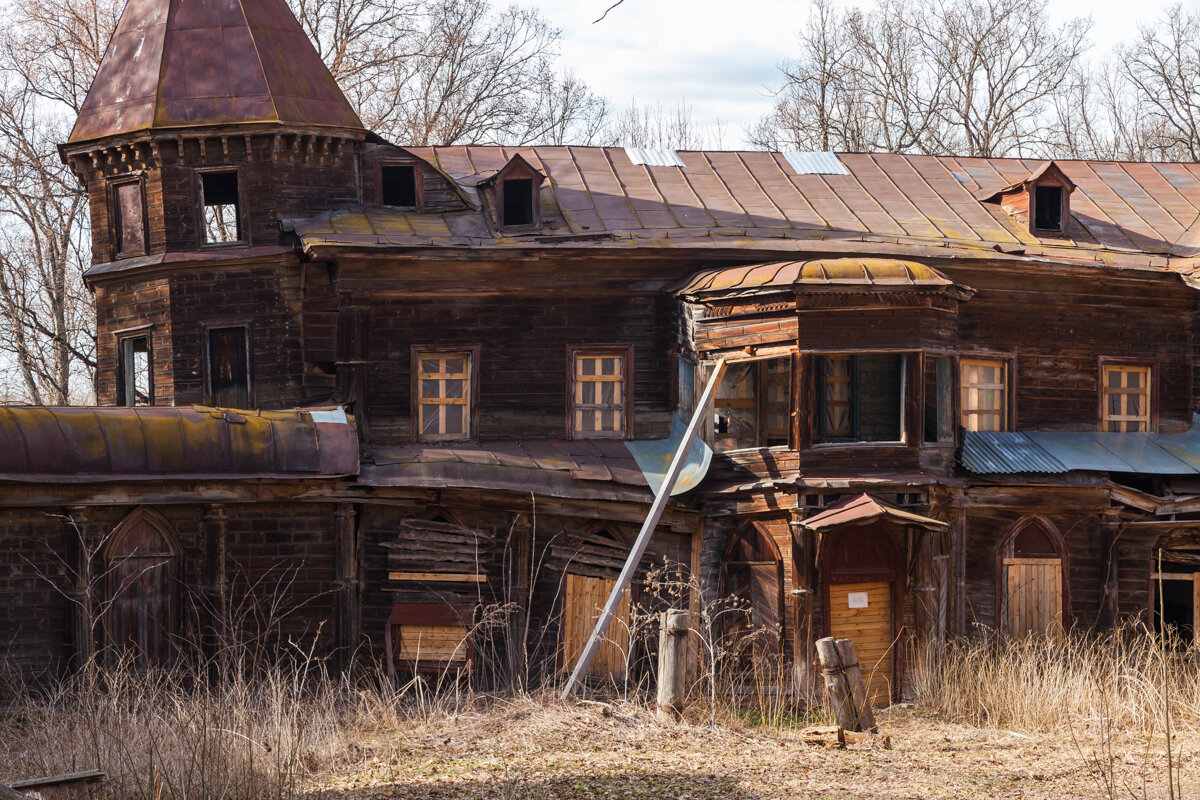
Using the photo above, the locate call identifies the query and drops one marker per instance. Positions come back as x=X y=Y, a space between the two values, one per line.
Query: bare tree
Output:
x=1163 y=68
x=657 y=126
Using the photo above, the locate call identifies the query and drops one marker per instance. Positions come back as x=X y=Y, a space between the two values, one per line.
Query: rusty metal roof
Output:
x=583 y=469
x=86 y=445
x=192 y=63
x=862 y=509
x=836 y=274
x=1091 y=451
x=1130 y=215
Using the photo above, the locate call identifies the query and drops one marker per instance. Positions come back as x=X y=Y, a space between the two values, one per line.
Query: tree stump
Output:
x=844 y=684
x=672 y=662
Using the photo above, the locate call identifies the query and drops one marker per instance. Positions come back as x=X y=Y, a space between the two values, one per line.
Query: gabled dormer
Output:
x=1042 y=200
x=514 y=196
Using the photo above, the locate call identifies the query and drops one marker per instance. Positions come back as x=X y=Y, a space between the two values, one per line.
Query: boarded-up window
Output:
x=141 y=576
x=583 y=600
x=444 y=395
x=398 y=185
x=860 y=398
x=753 y=405
x=228 y=367
x=984 y=395
x=428 y=637
x=1126 y=401
x=599 y=402
x=221 y=207
x=130 y=221
x=136 y=386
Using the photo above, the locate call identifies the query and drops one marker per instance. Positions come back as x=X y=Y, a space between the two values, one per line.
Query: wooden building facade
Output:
x=959 y=393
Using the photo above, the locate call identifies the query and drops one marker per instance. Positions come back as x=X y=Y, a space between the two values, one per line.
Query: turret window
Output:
x=221 y=207
x=229 y=367
x=129 y=223
x=136 y=387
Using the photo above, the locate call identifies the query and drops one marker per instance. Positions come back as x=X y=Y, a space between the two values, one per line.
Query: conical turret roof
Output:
x=194 y=63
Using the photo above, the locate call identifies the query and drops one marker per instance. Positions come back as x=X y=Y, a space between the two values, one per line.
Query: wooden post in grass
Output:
x=844 y=684
x=672 y=662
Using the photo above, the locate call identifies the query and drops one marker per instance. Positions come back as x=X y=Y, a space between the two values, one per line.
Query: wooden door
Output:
x=583 y=600
x=1033 y=595
x=862 y=612
x=141 y=618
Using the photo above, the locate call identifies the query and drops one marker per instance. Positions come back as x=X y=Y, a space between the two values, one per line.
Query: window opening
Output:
x=398 y=185
x=685 y=385
x=984 y=395
x=1126 y=401
x=444 y=395
x=130 y=223
x=135 y=378
x=752 y=407
x=228 y=367
x=599 y=396
x=517 y=196
x=939 y=400
x=860 y=398
x=1047 y=208
x=222 y=218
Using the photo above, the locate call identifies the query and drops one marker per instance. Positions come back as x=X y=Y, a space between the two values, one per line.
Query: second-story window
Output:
x=1125 y=400
x=129 y=221
x=599 y=392
x=860 y=398
x=134 y=376
x=984 y=394
x=221 y=207
x=229 y=367
x=398 y=185
x=752 y=408
x=443 y=395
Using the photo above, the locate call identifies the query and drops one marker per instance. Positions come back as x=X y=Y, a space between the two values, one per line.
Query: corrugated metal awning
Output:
x=989 y=453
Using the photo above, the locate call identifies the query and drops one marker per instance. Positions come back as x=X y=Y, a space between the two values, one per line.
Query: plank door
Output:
x=764 y=605
x=139 y=621
x=869 y=625
x=583 y=600
x=1033 y=595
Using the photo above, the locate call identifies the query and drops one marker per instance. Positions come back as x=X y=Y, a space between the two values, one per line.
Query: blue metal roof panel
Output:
x=1080 y=451
x=988 y=453
x=1146 y=454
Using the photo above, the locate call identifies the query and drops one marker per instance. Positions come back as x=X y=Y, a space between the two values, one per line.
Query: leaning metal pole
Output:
x=643 y=538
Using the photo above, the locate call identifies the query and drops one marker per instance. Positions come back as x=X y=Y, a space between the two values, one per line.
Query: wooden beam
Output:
x=438 y=577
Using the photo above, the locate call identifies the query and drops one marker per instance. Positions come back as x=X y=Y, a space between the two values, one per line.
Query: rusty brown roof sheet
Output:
x=863 y=509
x=591 y=469
x=839 y=274
x=190 y=63
x=1133 y=215
x=85 y=445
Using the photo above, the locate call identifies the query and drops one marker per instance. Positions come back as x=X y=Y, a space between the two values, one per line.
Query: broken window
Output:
x=444 y=395
x=135 y=384
x=685 y=388
x=1125 y=405
x=752 y=407
x=1047 y=208
x=129 y=221
x=517 y=197
x=939 y=400
x=984 y=394
x=228 y=367
x=398 y=185
x=599 y=405
x=222 y=212
x=860 y=398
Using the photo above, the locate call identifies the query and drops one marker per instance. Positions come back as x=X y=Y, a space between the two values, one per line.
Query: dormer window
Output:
x=1047 y=208
x=516 y=198
x=221 y=207
x=513 y=195
x=1041 y=200
x=398 y=185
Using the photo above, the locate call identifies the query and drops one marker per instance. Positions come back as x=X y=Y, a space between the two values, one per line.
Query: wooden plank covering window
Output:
x=442 y=644
x=862 y=612
x=1125 y=406
x=599 y=402
x=130 y=222
x=583 y=600
x=444 y=395
x=984 y=395
x=1033 y=596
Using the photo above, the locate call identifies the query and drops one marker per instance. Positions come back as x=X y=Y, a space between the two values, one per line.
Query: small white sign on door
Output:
x=858 y=599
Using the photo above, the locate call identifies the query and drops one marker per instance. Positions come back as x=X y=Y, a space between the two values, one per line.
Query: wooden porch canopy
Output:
x=863 y=509
x=837 y=275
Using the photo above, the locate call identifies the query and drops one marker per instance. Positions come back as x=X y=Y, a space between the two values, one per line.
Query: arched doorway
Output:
x=752 y=575
x=140 y=566
x=862 y=570
x=1031 y=569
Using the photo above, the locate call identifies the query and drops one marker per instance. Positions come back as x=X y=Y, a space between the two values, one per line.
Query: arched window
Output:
x=1031 y=576
x=140 y=568
x=752 y=574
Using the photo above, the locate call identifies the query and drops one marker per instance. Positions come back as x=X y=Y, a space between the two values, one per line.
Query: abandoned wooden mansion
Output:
x=369 y=393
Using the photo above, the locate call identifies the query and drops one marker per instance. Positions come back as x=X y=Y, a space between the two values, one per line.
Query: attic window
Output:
x=1047 y=208
x=398 y=185
x=222 y=212
x=516 y=203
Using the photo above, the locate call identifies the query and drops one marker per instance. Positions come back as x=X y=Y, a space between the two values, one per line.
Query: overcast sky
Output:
x=721 y=55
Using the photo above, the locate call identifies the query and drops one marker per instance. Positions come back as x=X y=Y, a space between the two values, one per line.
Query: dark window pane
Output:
x=398 y=185
x=879 y=399
x=130 y=226
x=228 y=367
x=518 y=202
x=1048 y=208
